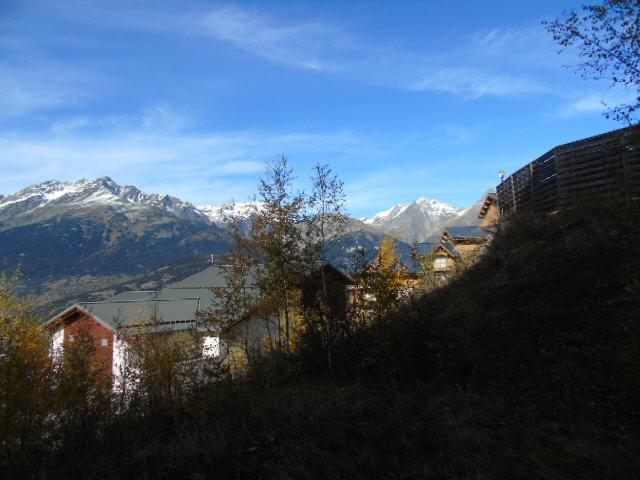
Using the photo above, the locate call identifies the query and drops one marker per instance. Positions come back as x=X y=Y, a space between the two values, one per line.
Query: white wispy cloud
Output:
x=28 y=86
x=472 y=83
x=531 y=46
x=500 y=62
x=166 y=156
x=309 y=45
x=152 y=156
x=479 y=65
x=384 y=187
x=446 y=133
x=596 y=103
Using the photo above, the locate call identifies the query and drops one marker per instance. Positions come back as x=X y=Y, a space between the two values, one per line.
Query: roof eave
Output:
x=79 y=307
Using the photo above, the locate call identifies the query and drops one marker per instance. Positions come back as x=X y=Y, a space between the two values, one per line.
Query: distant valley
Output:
x=91 y=238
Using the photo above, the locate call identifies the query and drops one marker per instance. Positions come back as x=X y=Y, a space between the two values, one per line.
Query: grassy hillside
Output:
x=539 y=347
x=527 y=366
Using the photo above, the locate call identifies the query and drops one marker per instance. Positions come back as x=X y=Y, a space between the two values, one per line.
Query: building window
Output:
x=210 y=347
x=105 y=342
x=440 y=263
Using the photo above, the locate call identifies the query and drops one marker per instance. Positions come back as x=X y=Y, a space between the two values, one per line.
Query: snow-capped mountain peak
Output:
x=385 y=215
x=430 y=207
x=83 y=193
x=415 y=221
x=223 y=213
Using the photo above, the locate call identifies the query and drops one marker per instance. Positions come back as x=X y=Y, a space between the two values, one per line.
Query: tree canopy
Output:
x=607 y=37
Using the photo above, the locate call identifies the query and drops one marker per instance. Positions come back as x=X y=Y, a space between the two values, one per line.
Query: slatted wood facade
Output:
x=602 y=167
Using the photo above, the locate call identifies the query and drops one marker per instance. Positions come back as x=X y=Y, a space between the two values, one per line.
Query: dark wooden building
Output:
x=605 y=167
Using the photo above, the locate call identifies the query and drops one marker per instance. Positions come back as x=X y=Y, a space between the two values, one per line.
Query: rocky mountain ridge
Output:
x=70 y=238
x=412 y=222
x=50 y=198
x=416 y=221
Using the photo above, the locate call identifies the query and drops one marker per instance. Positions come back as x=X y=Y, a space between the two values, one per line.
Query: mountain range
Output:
x=416 y=221
x=73 y=238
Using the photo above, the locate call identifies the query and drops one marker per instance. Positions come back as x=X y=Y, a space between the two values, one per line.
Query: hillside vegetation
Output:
x=526 y=366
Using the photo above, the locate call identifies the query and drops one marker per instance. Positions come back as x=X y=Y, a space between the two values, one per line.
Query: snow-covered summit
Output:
x=223 y=213
x=434 y=209
x=84 y=193
x=429 y=207
x=415 y=221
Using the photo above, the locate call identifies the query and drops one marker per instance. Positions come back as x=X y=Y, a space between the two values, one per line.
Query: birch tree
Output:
x=607 y=38
x=326 y=219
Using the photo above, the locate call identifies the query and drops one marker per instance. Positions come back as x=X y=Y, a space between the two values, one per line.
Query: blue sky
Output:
x=402 y=99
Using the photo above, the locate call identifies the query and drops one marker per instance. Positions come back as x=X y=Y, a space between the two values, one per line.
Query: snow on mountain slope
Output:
x=415 y=221
x=70 y=235
x=53 y=197
x=433 y=209
x=221 y=214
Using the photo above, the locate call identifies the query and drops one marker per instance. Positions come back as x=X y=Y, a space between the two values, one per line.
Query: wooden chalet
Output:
x=460 y=244
x=467 y=241
x=444 y=256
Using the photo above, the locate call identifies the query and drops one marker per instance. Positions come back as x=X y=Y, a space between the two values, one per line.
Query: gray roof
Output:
x=451 y=248
x=173 y=308
x=467 y=232
x=173 y=314
x=133 y=295
x=213 y=277
x=426 y=248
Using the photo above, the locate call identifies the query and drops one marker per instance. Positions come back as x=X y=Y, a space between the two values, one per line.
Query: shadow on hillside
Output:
x=527 y=366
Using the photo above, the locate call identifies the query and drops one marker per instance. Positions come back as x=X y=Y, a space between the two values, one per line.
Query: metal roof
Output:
x=213 y=277
x=173 y=308
x=467 y=232
x=426 y=248
x=171 y=314
x=133 y=295
x=451 y=248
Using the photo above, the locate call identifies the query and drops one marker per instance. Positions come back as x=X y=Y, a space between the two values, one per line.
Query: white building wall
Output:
x=210 y=347
x=119 y=360
x=57 y=345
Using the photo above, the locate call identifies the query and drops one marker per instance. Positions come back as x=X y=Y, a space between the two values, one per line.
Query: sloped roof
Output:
x=133 y=295
x=214 y=276
x=451 y=248
x=164 y=314
x=426 y=248
x=489 y=199
x=172 y=308
x=467 y=232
